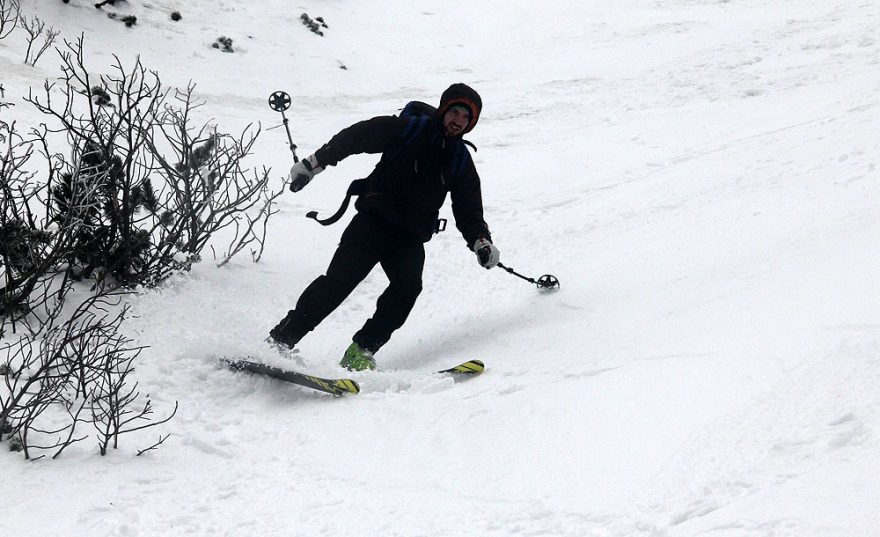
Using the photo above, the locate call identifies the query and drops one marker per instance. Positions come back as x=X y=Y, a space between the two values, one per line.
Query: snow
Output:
x=701 y=176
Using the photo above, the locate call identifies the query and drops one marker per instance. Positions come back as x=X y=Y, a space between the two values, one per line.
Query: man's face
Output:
x=456 y=120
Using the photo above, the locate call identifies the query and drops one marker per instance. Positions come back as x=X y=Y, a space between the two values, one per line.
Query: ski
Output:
x=331 y=386
x=471 y=367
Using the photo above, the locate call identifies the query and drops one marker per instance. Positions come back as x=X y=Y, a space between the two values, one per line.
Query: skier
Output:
x=423 y=158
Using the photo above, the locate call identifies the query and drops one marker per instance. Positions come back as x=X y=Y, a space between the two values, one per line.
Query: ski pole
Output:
x=280 y=101
x=546 y=282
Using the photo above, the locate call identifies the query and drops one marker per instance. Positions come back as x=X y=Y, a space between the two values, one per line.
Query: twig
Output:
x=161 y=441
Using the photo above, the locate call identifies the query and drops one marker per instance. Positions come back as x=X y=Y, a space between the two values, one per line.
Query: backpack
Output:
x=419 y=113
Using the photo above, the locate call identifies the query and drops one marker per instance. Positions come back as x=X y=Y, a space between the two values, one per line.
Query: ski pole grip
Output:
x=483 y=256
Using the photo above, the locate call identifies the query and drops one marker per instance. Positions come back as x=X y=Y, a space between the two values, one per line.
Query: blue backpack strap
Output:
x=414 y=127
x=460 y=157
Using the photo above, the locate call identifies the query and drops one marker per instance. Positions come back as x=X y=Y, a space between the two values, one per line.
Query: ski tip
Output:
x=471 y=367
x=344 y=386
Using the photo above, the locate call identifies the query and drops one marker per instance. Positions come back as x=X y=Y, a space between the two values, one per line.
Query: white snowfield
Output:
x=700 y=175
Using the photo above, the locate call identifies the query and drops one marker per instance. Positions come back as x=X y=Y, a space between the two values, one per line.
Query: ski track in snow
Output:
x=700 y=175
x=778 y=445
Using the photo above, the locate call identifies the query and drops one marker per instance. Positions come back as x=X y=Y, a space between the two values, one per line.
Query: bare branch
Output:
x=161 y=441
x=10 y=11
x=35 y=27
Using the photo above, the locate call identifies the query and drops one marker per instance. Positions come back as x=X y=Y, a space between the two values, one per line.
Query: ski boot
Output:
x=281 y=347
x=357 y=359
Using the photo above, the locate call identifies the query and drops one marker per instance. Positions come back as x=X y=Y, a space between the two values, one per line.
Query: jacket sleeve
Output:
x=467 y=205
x=370 y=136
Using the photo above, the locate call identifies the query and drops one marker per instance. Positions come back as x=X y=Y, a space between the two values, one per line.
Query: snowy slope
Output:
x=700 y=175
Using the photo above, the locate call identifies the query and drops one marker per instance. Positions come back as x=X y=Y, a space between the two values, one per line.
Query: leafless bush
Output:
x=32 y=254
x=9 y=16
x=116 y=406
x=36 y=27
x=207 y=183
x=164 y=186
x=141 y=194
x=73 y=376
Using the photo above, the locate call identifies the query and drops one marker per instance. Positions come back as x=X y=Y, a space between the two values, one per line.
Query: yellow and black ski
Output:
x=331 y=386
x=471 y=367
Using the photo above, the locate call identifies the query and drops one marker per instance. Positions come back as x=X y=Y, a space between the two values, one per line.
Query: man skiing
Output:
x=423 y=158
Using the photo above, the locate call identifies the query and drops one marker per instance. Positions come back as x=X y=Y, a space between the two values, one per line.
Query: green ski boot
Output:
x=357 y=359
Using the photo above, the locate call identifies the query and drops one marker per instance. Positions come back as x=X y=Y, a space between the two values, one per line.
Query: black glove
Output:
x=302 y=172
x=487 y=254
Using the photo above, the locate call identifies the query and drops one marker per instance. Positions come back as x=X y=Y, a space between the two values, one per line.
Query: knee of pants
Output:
x=343 y=279
x=409 y=288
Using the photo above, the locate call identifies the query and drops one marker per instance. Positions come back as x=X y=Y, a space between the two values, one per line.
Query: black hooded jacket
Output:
x=409 y=185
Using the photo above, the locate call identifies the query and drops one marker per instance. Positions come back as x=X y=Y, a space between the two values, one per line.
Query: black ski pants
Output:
x=366 y=241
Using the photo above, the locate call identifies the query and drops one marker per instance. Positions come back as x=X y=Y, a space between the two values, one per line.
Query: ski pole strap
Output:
x=356 y=188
